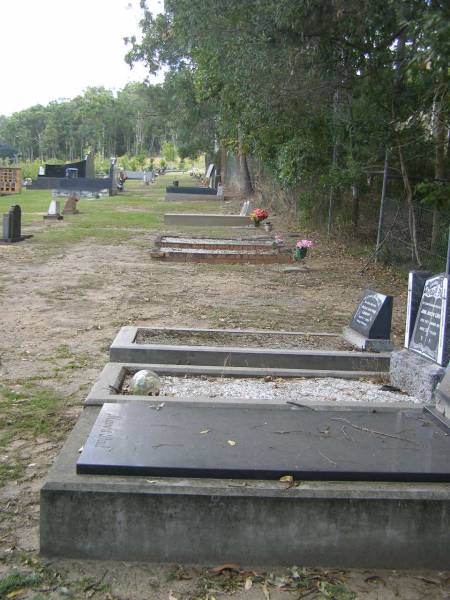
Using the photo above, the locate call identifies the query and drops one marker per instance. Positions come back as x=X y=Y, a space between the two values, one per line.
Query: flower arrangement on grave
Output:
x=257 y=215
x=301 y=249
x=277 y=242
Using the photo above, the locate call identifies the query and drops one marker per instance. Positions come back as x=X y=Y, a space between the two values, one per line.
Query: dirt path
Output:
x=61 y=308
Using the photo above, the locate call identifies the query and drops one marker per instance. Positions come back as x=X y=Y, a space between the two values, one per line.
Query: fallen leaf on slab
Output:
x=225 y=567
x=15 y=594
x=231 y=443
x=204 y=431
x=248 y=584
x=171 y=596
x=287 y=479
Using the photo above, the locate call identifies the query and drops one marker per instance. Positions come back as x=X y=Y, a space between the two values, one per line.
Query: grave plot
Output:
x=134 y=345
x=255 y=485
x=184 y=385
x=218 y=250
x=420 y=367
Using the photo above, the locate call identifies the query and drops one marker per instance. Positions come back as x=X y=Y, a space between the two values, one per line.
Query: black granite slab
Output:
x=12 y=223
x=430 y=336
x=373 y=316
x=416 y=283
x=191 y=190
x=259 y=443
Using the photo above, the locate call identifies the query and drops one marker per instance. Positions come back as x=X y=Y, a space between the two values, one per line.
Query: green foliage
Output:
x=17 y=580
x=169 y=151
x=435 y=194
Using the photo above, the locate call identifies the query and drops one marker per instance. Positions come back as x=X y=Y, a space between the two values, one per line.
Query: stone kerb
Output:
x=206 y=219
x=125 y=349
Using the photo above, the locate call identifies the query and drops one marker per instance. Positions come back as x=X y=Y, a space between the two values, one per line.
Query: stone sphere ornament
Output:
x=145 y=383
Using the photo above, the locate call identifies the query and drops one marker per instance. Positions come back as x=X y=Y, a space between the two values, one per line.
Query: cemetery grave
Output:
x=12 y=226
x=220 y=251
x=77 y=322
x=211 y=219
x=420 y=367
x=370 y=326
x=134 y=345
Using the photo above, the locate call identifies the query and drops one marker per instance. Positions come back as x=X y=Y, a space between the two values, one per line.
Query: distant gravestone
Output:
x=430 y=337
x=245 y=210
x=370 y=326
x=12 y=223
x=70 y=207
x=54 y=211
x=210 y=170
x=443 y=395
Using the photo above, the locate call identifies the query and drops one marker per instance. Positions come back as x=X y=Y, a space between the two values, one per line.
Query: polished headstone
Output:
x=373 y=316
x=443 y=395
x=12 y=224
x=416 y=283
x=260 y=443
x=430 y=336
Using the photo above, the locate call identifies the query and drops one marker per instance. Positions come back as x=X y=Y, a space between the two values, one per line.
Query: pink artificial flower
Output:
x=304 y=244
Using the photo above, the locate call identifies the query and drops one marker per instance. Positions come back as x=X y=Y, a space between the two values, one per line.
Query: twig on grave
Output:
x=346 y=435
x=95 y=585
x=367 y=430
x=327 y=458
x=299 y=404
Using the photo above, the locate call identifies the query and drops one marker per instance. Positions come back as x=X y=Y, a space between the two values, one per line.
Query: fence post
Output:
x=447 y=266
x=382 y=202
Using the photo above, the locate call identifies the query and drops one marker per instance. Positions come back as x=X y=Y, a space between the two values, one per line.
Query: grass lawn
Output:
x=105 y=219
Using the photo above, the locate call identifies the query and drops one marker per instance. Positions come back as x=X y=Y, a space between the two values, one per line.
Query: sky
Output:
x=54 y=49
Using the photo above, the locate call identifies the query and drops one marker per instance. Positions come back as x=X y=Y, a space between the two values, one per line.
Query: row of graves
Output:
x=233 y=480
x=77 y=178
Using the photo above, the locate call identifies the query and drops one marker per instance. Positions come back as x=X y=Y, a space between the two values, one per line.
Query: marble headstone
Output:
x=430 y=337
x=54 y=211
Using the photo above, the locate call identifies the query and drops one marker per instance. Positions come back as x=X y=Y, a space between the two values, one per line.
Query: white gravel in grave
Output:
x=213 y=241
x=300 y=390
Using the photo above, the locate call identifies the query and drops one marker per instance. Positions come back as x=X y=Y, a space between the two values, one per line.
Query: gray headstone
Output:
x=430 y=337
x=373 y=316
x=210 y=171
x=416 y=283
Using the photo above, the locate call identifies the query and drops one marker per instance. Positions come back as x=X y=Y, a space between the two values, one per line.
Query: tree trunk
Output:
x=355 y=207
x=409 y=201
x=245 y=182
x=439 y=164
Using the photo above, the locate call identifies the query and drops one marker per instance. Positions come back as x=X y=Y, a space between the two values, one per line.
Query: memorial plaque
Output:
x=260 y=443
x=373 y=316
x=416 y=283
x=430 y=335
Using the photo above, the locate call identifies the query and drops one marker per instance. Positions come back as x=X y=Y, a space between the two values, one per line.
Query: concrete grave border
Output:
x=212 y=521
x=205 y=220
x=297 y=363
x=111 y=378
